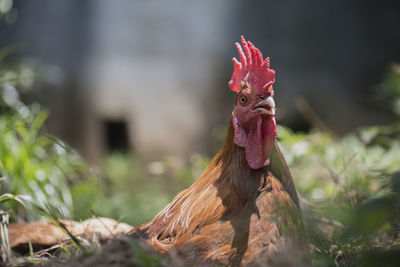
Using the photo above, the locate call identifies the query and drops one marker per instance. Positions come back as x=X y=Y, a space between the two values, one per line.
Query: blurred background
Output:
x=110 y=108
x=151 y=76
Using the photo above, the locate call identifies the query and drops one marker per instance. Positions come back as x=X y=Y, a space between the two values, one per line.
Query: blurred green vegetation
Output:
x=349 y=190
x=132 y=190
x=388 y=92
x=35 y=166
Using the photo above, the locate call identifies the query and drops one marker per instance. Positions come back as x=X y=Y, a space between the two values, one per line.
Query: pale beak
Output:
x=266 y=106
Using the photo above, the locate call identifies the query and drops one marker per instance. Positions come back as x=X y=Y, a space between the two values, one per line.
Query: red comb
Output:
x=251 y=68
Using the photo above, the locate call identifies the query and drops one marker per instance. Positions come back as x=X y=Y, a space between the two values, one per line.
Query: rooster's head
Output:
x=253 y=115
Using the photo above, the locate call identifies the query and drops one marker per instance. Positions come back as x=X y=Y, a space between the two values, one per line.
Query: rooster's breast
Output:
x=264 y=227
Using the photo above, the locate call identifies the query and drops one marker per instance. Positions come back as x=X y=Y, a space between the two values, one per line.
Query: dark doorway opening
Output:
x=116 y=136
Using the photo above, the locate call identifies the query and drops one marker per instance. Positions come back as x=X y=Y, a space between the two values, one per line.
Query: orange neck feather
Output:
x=220 y=192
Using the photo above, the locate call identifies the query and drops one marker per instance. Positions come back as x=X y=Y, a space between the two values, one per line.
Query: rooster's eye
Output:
x=243 y=100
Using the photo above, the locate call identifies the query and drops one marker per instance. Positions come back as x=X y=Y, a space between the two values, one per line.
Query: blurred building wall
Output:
x=158 y=70
x=149 y=64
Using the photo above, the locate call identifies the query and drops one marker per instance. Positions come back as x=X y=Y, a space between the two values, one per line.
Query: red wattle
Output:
x=259 y=142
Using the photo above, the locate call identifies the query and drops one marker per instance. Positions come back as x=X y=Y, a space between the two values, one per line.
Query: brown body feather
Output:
x=232 y=214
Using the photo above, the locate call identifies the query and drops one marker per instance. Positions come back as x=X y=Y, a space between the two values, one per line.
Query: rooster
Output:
x=244 y=208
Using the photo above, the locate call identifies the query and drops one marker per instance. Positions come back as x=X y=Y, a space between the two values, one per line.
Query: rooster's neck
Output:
x=237 y=179
x=223 y=190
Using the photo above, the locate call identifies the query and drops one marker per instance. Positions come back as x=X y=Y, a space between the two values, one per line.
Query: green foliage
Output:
x=28 y=163
x=349 y=168
x=388 y=92
x=34 y=166
x=350 y=189
x=132 y=190
x=6 y=7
